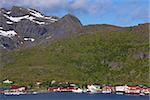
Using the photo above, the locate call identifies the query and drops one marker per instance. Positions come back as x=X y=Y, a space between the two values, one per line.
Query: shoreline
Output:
x=66 y=92
x=51 y=92
x=74 y=88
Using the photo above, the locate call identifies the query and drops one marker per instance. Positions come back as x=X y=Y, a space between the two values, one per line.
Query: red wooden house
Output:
x=133 y=89
x=17 y=88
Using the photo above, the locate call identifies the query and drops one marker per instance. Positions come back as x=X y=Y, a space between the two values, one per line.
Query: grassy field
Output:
x=112 y=58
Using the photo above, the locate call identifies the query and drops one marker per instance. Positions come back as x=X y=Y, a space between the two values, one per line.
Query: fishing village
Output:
x=53 y=86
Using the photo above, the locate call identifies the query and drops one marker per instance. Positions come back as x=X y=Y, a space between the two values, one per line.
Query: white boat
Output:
x=120 y=93
x=7 y=92
x=106 y=91
x=34 y=92
x=141 y=94
x=77 y=90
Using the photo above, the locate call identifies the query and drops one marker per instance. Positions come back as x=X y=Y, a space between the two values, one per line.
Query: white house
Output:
x=121 y=88
x=94 y=88
x=7 y=82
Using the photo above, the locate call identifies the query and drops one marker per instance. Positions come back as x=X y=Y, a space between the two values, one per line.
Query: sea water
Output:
x=73 y=96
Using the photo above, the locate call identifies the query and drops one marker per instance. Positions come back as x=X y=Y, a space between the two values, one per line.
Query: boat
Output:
x=141 y=94
x=120 y=93
x=7 y=92
x=34 y=92
x=106 y=91
x=77 y=90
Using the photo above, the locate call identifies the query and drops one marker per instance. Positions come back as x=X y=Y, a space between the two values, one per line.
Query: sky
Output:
x=115 y=12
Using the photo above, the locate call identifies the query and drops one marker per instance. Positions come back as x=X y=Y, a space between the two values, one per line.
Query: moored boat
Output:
x=77 y=90
x=106 y=91
x=7 y=92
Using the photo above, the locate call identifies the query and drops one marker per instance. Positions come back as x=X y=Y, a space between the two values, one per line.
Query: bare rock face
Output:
x=4 y=22
x=141 y=55
x=28 y=28
x=18 y=11
x=66 y=26
x=6 y=42
x=3 y=10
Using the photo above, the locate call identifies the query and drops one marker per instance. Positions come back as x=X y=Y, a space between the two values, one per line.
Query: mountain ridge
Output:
x=29 y=23
x=18 y=26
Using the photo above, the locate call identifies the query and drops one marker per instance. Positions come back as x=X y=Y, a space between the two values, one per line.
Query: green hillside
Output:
x=112 y=58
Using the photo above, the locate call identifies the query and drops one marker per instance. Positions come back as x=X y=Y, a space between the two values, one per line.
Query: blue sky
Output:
x=116 y=12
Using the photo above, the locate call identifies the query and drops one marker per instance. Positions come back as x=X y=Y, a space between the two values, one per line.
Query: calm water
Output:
x=73 y=96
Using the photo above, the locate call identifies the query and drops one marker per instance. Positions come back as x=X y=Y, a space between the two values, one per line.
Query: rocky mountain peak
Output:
x=3 y=10
x=72 y=19
x=18 y=11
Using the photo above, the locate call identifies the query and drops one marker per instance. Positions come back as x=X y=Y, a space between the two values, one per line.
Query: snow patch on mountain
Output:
x=8 y=33
x=31 y=18
x=40 y=23
x=9 y=22
x=8 y=12
x=16 y=19
x=35 y=13
x=52 y=19
x=1 y=27
x=29 y=39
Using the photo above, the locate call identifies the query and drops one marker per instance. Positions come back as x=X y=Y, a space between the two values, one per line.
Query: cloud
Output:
x=89 y=6
x=74 y=6
x=45 y=4
x=126 y=10
x=78 y=5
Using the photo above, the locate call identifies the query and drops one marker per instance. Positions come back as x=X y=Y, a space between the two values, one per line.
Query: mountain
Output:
x=35 y=48
x=21 y=27
x=24 y=27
